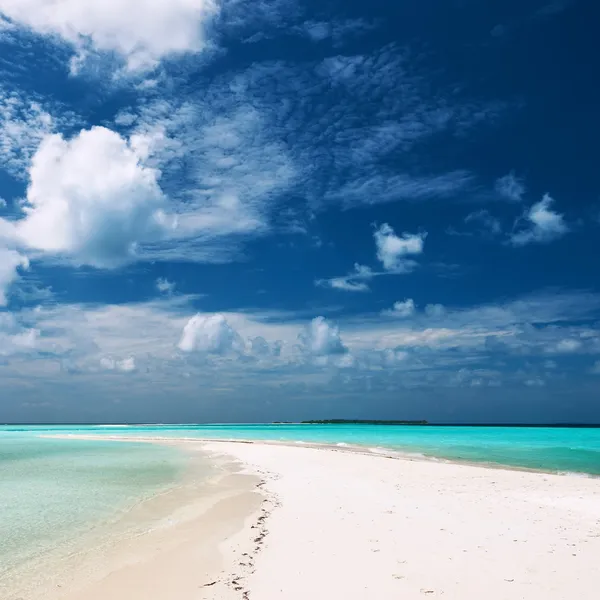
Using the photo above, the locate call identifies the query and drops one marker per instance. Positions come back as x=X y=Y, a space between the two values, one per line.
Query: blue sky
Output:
x=286 y=209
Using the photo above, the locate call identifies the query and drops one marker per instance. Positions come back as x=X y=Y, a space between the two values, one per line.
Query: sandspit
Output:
x=329 y=523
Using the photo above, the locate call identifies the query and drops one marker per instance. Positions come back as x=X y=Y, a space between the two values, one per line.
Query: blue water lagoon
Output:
x=562 y=449
x=53 y=491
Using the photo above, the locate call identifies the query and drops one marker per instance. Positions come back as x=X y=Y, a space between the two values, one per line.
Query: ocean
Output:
x=54 y=490
x=557 y=449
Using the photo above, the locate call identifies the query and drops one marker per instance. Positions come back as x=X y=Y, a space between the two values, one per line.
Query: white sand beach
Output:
x=331 y=523
x=357 y=527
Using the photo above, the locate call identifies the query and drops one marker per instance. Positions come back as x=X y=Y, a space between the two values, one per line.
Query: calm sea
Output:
x=54 y=491
x=51 y=489
x=547 y=448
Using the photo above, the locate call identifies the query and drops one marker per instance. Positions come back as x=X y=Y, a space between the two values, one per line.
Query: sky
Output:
x=252 y=210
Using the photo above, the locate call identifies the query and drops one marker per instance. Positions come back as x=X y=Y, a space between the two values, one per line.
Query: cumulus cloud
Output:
x=211 y=335
x=407 y=308
x=402 y=309
x=259 y=346
x=392 y=249
x=543 y=224
x=143 y=32
x=510 y=187
x=322 y=338
x=10 y=263
x=385 y=353
x=91 y=198
x=126 y=365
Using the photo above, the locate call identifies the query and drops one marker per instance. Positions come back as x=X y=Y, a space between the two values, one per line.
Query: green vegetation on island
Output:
x=361 y=422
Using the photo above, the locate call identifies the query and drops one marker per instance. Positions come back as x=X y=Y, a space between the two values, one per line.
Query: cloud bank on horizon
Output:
x=235 y=210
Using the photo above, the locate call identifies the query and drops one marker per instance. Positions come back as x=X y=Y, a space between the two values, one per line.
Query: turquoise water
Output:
x=52 y=491
x=550 y=449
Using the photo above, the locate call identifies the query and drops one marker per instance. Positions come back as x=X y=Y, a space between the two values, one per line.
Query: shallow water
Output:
x=552 y=449
x=54 y=491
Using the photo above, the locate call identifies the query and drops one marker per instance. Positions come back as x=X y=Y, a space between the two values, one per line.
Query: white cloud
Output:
x=348 y=285
x=210 y=334
x=165 y=286
x=407 y=308
x=402 y=309
x=259 y=346
x=86 y=334
x=379 y=188
x=392 y=249
x=143 y=31
x=317 y=30
x=126 y=365
x=23 y=124
x=489 y=223
x=10 y=262
x=336 y=30
x=596 y=368
x=26 y=340
x=321 y=338
x=566 y=346
x=222 y=169
x=435 y=310
x=92 y=199
x=150 y=332
x=243 y=144
x=16 y=339
x=5 y=25
x=544 y=225
x=528 y=326
x=510 y=187
x=266 y=354
x=353 y=282
x=312 y=105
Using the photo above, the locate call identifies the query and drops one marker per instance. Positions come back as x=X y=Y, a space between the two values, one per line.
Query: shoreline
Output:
x=382 y=451
x=158 y=535
x=326 y=521
x=350 y=525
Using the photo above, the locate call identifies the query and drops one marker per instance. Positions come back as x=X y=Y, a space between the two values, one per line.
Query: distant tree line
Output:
x=361 y=422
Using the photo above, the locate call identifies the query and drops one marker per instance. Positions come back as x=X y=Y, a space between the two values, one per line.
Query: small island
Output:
x=361 y=422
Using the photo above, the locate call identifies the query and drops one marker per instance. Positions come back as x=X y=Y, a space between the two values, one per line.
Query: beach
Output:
x=358 y=526
x=299 y=521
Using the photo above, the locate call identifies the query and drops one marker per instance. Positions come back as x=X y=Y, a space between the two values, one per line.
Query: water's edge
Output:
x=389 y=452
x=44 y=529
x=575 y=450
